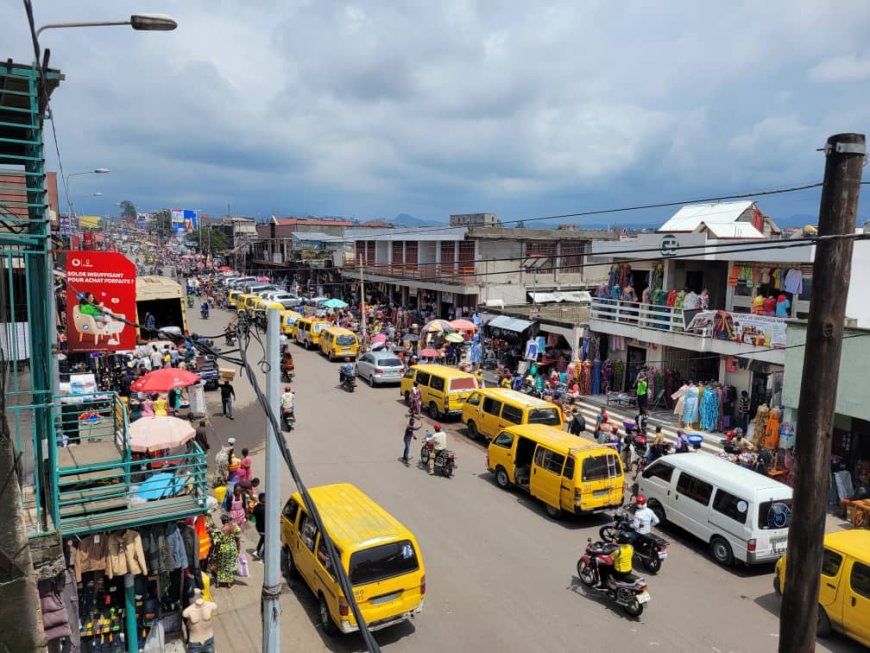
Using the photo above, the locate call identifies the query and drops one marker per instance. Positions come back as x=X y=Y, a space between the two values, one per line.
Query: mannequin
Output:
x=200 y=624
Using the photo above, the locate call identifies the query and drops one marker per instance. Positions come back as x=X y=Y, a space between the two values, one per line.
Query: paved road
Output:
x=500 y=574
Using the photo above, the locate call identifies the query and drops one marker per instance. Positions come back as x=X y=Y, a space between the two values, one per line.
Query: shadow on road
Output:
x=836 y=643
x=577 y=587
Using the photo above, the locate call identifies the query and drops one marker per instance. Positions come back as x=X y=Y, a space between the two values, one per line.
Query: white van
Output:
x=741 y=514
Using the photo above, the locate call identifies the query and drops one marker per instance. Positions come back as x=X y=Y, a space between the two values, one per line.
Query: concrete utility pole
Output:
x=362 y=302
x=818 y=396
x=271 y=596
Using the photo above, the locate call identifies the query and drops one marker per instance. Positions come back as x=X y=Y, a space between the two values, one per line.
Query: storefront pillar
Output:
x=130 y=614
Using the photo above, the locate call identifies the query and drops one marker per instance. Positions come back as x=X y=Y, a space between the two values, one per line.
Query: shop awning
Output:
x=510 y=323
x=573 y=296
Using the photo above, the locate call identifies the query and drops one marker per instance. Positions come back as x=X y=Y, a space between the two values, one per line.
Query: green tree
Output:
x=215 y=240
x=162 y=222
x=128 y=210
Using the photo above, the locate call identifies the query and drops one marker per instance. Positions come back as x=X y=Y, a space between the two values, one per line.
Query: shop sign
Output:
x=101 y=299
x=754 y=330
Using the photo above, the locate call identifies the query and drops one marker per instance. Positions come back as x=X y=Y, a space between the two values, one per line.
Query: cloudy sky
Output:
x=373 y=108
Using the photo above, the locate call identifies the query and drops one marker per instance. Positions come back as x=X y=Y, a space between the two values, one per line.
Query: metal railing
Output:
x=649 y=316
x=452 y=273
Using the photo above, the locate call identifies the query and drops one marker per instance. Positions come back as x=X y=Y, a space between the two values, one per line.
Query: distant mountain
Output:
x=406 y=220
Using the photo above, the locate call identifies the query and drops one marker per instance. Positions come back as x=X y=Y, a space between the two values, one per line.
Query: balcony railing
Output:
x=450 y=273
x=756 y=331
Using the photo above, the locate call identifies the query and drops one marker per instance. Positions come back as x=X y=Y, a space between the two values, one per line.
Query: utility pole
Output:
x=362 y=302
x=818 y=395
x=271 y=595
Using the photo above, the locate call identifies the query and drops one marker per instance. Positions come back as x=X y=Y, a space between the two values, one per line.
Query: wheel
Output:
x=287 y=566
x=472 y=431
x=326 y=621
x=721 y=551
x=823 y=623
x=330 y=358
x=656 y=507
x=552 y=512
x=433 y=411
x=633 y=608
x=586 y=573
x=777 y=588
x=502 y=479
x=608 y=533
x=653 y=564
x=448 y=469
x=424 y=455
x=407 y=398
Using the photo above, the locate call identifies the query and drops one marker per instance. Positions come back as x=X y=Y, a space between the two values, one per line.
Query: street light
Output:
x=140 y=22
x=95 y=171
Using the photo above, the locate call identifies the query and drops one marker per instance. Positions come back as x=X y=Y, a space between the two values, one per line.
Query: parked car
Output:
x=379 y=367
x=208 y=370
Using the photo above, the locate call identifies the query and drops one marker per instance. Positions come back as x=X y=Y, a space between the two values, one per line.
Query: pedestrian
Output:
x=627 y=442
x=201 y=436
x=234 y=504
x=246 y=474
x=227 y=396
x=259 y=514
x=228 y=540
x=682 y=443
x=578 y=422
x=407 y=437
x=743 y=410
x=642 y=387
x=222 y=461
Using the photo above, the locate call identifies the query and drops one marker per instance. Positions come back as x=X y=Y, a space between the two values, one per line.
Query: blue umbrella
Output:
x=334 y=303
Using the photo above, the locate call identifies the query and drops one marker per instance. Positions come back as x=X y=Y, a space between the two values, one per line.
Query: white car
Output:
x=379 y=367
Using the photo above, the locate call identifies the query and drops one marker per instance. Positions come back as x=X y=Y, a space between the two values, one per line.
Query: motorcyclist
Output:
x=439 y=444
x=346 y=371
x=622 y=555
x=643 y=520
x=203 y=309
x=288 y=400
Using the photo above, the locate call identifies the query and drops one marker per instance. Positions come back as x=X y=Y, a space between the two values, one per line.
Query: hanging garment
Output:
x=176 y=546
x=761 y=417
x=596 y=377
x=55 y=619
x=91 y=554
x=126 y=554
x=794 y=282
x=709 y=409
x=679 y=398
x=691 y=400
x=671 y=301
x=771 y=429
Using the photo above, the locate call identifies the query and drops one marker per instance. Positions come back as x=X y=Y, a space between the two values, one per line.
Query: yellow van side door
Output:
x=501 y=454
x=471 y=413
x=546 y=481
x=566 y=491
x=489 y=416
x=303 y=554
x=856 y=607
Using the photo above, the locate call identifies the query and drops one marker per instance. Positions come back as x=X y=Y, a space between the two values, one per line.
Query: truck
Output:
x=164 y=299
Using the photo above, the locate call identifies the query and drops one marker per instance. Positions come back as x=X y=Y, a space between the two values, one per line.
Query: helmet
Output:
x=288 y=389
x=437 y=426
x=641 y=500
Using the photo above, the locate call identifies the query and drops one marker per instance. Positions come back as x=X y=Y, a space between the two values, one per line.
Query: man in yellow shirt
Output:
x=622 y=557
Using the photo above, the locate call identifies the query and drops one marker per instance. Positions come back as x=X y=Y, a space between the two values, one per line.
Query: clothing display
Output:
x=691 y=401
x=794 y=282
x=125 y=554
x=710 y=408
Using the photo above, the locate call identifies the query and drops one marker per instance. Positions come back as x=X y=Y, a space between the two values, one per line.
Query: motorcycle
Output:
x=348 y=383
x=288 y=419
x=445 y=460
x=203 y=311
x=650 y=549
x=630 y=592
x=229 y=338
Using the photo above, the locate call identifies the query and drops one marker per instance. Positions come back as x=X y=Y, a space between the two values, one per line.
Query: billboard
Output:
x=101 y=295
x=183 y=221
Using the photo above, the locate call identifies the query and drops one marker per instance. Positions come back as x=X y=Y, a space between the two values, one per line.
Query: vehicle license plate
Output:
x=601 y=493
x=779 y=545
x=386 y=598
x=663 y=555
x=643 y=597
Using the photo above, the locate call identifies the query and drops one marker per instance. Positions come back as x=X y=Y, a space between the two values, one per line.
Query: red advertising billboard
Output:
x=101 y=294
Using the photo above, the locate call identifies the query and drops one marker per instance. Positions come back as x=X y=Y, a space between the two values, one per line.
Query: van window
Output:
x=831 y=561
x=462 y=383
x=774 y=514
x=382 y=562
x=474 y=399
x=409 y=373
x=733 y=507
x=323 y=557
x=660 y=470
x=491 y=406
x=860 y=579
x=569 y=468
x=345 y=340
x=512 y=414
x=599 y=468
x=317 y=328
x=548 y=416
x=549 y=460
x=290 y=510
x=503 y=440
x=307 y=531
x=437 y=383
x=694 y=488
x=423 y=378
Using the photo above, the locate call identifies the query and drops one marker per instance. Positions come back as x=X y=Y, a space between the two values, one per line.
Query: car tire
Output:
x=472 y=431
x=553 y=513
x=288 y=568
x=434 y=413
x=502 y=479
x=326 y=621
x=656 y=507
x=407 y=398
x=823 y=624
x=721 y=551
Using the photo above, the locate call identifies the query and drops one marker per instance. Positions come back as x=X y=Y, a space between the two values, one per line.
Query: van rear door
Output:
x=546 y=479
x=601 y=480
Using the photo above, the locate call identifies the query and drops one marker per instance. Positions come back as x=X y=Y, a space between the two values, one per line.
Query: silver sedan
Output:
x=379 y=367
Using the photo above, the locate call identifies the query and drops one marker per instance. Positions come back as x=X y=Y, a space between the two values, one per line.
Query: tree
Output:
x=128 y=210
x=215 y=240
x=162 y=222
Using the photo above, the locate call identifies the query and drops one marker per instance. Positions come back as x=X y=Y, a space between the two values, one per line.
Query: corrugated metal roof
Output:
x=690 y=217
x=734 y=230
x=510 y=323
x=318 y=236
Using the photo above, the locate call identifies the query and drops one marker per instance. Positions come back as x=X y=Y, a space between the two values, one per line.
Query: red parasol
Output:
x=430 y=353
x=224 y=268
x=464 y=325
x=163 y=380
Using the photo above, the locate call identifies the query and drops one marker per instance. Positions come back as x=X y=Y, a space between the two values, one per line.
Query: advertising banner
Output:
x=184 y=221
x=101 y=294
x=757 y=330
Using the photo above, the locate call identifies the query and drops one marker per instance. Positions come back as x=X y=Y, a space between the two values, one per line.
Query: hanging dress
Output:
x=690 y=402
x=709 y=410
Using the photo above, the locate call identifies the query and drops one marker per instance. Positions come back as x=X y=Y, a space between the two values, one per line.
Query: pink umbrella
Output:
x=159 y=432
x=163 y=380
x=464 y=325
x=430 y=353
x=263 y=279
x=380 y=337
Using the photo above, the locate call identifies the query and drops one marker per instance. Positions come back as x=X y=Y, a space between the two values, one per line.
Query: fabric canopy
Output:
x=159 y=432
x=509 y=323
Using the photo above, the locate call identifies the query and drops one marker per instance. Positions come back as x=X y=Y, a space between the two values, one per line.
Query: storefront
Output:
x=748 y=281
